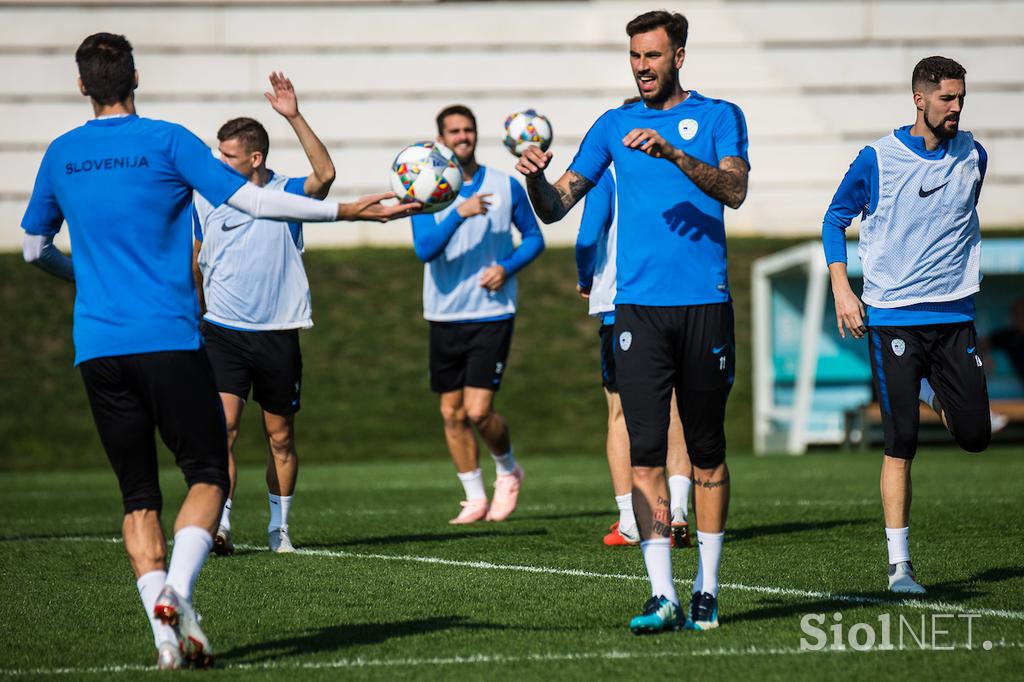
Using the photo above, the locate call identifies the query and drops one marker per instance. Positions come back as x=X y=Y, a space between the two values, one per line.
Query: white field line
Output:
x=478 y=659
x=942 y=607
x=937 y=606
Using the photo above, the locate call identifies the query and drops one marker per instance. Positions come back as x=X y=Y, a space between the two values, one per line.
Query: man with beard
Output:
x=916 y=191
x=680 y=158
x=469 y=298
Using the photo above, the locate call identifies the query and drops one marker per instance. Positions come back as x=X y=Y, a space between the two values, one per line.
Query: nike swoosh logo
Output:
x=228 y=228
x=715 y=350
x=927 y=193
x=970 y=350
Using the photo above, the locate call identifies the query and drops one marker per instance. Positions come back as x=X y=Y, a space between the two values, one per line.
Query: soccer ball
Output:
x=427 y=172
x=525 y=128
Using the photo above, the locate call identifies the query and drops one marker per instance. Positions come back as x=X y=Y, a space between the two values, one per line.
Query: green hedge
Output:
x=365 y=391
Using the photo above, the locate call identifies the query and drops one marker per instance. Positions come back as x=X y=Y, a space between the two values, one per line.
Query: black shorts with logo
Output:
x=944 y=354
x=469 y=354
x=268 y=362
x=607 y=335
x=171 y=391
x=690 y=349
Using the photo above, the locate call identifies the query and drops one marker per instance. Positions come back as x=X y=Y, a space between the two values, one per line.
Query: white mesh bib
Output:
x=922 y=244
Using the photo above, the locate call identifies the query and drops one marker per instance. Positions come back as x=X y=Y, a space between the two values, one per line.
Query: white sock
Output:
x=710 y=555
x=927 y=394
x=897 y=541
x=506 y=463
x=149 y=585
x=658 y=559
x=698 y=580
x=225 y=515
x=279 y=506
x=679 y=489
x=625 y=504
x=192 y=545
x=473 y=484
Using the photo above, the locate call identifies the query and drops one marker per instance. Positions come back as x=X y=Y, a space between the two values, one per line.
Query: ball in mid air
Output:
x=427 y=172
x=525 y=128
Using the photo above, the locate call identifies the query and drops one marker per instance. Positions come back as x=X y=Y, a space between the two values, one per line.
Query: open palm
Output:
x=283 y=98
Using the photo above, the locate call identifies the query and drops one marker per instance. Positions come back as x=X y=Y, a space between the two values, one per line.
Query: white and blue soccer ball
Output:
x=427 y=172
x=525 y=128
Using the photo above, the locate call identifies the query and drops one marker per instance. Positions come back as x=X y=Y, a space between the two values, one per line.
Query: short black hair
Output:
x=675 y=25
x=931 y=71
x=249 y=132
x=106 y=67
x=453 y=110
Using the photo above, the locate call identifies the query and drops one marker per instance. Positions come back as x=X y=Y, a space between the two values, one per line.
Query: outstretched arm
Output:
x=259 y=202
x=550 y=202
x=285 y=102
x=727 y=183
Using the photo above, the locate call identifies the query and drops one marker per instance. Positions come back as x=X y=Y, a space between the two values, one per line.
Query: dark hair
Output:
x=249 y=132
x=931 y=71
x=453 y=110
x=106 y=67
x=675 y=25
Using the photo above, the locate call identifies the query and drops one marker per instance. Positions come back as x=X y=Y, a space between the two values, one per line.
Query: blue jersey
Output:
x=858 y=195
x=671 y=235
x=124 y=185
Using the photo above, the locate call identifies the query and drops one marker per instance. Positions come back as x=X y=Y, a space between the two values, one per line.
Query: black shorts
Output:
x=607 y=336
x=690 y=349
x=269 y=362
x=172 y=391
x=945 y=354
x=468 y=354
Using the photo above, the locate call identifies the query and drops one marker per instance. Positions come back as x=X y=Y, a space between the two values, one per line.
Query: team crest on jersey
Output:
x=899 y=347
x=687 y=128
x=625 y=340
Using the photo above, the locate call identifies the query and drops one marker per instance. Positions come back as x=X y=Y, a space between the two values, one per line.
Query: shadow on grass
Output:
x=337 y=637
x=751 y=532
x=421 y=537
x=954 y=589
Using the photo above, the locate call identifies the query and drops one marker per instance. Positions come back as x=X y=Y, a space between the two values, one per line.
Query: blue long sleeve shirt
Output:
x=857 y=195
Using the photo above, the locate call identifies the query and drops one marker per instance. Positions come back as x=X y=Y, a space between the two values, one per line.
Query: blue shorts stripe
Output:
x=883 y=389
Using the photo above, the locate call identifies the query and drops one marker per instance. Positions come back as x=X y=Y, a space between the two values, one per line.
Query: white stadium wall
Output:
x=817 y=81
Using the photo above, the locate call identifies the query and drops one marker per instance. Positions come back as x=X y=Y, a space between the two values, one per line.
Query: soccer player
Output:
x=595 y=265
x=124 y=185
x=681 y=158
x=916 y=191
x=469 y=299
x=257 y=299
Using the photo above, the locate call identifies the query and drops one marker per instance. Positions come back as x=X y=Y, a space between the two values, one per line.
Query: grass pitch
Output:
x=384 y=588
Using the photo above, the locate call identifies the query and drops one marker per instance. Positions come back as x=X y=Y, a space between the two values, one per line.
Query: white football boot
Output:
x=176 y=611
x=279 y=541
x=902 y=579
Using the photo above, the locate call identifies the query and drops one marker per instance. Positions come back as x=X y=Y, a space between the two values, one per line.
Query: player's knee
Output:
x=707 y=457
x=479 y=414
x=453 y=416
x=282 y=444
x=974 y=436
x=211 y=473
x=648 y=451
x=143 y=499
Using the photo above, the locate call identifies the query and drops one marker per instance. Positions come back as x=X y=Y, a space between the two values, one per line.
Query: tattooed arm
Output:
x=550 y=202
x=726 y=183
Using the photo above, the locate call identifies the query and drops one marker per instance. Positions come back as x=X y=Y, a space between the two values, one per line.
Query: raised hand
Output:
x=283 y=98
x=533 y=162
x=478 y=204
